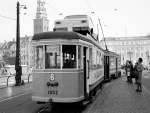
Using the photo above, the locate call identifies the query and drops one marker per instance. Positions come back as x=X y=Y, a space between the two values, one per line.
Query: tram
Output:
x=112 y=66
x=69 y=65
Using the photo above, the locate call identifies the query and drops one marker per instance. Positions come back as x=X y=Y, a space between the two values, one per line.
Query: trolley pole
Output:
x=18 y=67
x=103 y=34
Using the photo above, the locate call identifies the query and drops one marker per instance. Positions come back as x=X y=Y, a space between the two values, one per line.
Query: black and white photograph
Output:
x=75 y=56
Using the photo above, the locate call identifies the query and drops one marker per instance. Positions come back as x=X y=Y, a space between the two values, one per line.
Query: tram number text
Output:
x=53 y=92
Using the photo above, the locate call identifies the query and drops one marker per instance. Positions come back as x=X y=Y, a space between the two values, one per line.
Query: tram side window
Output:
x=52 y=57
x=90 y=57
x=81 y=30
x=69 y=56
x=39 y=57
x=112 y=61
x=80 y=66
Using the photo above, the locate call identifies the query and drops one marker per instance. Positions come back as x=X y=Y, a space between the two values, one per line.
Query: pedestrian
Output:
x=135 y=72
x=131 y=71
x=128 y=71
x=139 y=79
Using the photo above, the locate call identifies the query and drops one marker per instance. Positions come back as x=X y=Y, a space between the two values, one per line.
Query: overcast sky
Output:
x=118 y=17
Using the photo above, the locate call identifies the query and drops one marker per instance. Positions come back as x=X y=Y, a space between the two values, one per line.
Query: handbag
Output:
x=135 y=74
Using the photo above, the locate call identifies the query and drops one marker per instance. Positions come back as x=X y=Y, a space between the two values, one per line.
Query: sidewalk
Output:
x=118 y=96
x=12 y=91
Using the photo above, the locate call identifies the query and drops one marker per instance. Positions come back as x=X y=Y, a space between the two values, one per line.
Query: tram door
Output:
x=86 y=71
x=106 y=67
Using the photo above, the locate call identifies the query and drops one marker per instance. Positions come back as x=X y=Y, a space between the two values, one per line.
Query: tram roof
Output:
x=63 y=35
x=57 y=35
x=110 y=53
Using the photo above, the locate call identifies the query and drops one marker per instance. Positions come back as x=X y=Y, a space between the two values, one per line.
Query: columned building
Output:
x=130 y=48
x=41 y=23
x=26 y=51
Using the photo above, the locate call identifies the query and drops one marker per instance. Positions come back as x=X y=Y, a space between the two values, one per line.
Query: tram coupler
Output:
x=50 y=100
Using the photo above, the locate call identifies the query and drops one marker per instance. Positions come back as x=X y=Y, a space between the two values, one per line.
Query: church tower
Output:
x=41 y=23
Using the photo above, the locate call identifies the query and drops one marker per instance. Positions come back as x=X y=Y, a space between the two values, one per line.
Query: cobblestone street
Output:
x=118 y=96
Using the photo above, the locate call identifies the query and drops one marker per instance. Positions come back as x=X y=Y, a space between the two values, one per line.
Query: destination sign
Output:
x=52 y=49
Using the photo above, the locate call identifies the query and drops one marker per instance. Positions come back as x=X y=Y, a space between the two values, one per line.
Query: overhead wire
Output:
x=53 y=8
x=88 y=5
x=103 y=34
x=6 y=17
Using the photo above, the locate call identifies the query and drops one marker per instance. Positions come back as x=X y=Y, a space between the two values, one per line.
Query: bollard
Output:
x=7 y=80
x=28 y=77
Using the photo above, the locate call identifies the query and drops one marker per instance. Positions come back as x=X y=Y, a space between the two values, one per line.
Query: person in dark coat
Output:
x=135 y=74
x=128 y=71
x=131 y=71
x=139 y=79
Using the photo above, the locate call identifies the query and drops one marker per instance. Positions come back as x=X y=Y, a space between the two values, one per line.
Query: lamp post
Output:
x=18 y=67
x=130 y=53
x=147 y=55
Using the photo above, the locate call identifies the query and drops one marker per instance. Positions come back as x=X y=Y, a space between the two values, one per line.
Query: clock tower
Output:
x=41 y=23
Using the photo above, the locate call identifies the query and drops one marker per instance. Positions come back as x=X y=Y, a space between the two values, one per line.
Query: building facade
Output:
x=8 y=51
x=130 y=48
x=26 y=51
x=41 y=24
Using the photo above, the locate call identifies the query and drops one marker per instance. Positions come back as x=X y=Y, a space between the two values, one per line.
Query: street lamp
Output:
x=130 y=53
x=18 y=67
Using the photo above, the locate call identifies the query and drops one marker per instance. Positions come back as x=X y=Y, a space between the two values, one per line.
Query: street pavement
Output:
x=117 y=96
x=13 y=91
x=17 y=99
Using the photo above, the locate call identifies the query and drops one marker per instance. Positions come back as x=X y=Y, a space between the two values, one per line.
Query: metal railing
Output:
x=7 y=80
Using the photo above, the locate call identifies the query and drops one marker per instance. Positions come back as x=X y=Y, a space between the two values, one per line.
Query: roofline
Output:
x=57 y=35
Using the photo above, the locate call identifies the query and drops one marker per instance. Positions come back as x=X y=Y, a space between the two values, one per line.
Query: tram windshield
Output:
x=52 y=56
x=49 y=57
x=39 y=57
x=69 y=56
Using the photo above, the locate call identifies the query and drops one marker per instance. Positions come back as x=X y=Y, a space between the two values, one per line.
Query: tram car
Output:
x=112 y=66
x=69 y=65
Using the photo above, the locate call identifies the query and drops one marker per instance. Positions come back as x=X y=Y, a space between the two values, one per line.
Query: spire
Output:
x=41 y=10
x=41 y=23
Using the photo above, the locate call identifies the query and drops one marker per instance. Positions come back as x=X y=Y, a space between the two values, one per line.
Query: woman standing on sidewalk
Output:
x=127 y=68
x=131 y=71
x=135 y=74
x=139 y=79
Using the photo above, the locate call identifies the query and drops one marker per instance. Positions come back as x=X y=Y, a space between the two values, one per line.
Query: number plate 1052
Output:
x=53 y=92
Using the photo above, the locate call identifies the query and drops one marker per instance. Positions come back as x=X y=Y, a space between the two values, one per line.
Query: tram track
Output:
x=62 y=108
x=68 y=108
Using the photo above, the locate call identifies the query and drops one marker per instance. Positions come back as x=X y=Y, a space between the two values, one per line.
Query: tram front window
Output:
x=69 y=56
x=52 y=57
